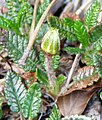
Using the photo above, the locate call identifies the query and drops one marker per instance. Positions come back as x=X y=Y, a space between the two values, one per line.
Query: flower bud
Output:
x=51 y=42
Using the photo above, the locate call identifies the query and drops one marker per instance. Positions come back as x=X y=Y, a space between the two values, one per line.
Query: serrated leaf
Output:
x=41 y=9
x=65 y=27
x=14 y=8
x=88 y=57
x=74 y=50
x=16 y=45
x=92 y=14
x=21 y=13
x=8 y=25
x=55 y=114
x=97 y=60
x=85 y=76
x=55 y=61
x=42 y=76
x=84 y=73
x=14 y=91
x=96 y=33
x=98 y=44
x=81 y=33
x=32 y=102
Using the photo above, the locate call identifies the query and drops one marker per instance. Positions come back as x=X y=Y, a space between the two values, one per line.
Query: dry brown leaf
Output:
x=83 y=84
x=31 y=77
x=84 y=72
x=28 y=75
x=86 y=79
x=75 y=102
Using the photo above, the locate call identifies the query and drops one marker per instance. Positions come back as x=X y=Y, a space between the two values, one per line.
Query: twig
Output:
x=83 y=7
x=15 y=68
x=77 y=58
x=34 y=17
x=67 y=9
x=76 y=61
x=35 y=33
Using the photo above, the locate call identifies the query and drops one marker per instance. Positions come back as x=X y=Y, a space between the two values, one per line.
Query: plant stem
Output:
x=50 y=71
x=34 y=17
x=83 y=7
x=34 y=35
x=75 y=63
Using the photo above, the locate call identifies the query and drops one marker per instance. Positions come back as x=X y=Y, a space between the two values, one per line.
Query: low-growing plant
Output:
x=21 y=42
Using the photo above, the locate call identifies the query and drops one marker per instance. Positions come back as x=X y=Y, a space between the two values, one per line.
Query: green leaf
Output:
x=96 y=33
x=101 y=95
x=20 y=12
x=55 y=61
x=98 y=44
x=41 y=9
x=42 y=76
x=88 y=57
x=74 y=50
x=8 y=25
x=92 y=14
x=14 y=91
x=16 y=45
x=32 y=102
x=81 y=33
x=97 y=60
x=55 y=114
x=14 y=7
x=65 y=27
x=69 y=22
x=60 y=79
x=1 y=47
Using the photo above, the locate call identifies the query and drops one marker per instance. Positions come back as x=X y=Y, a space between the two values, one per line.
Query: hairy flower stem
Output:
x=50 y=71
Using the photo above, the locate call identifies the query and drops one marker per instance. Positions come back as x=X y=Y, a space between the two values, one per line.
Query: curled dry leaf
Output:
x=83 y=84
x=75 y=102
x=84 y=77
